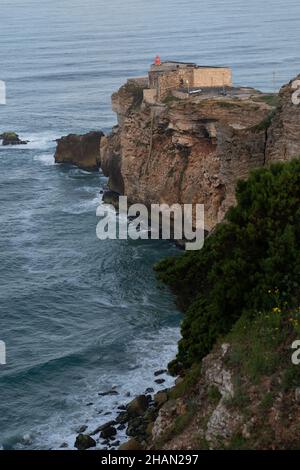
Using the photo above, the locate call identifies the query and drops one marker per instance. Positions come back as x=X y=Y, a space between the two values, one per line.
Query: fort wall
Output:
x=212 y=77
x=165 y=78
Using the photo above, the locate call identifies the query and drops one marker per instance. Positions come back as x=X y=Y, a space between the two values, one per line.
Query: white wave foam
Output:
x=40 y=141
x=82 y=207
x=46 y=159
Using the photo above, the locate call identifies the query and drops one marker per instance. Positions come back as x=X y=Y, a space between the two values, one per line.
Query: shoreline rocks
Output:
x=108 y=432
x=138 y=406
x=135 y=419
x=80 y=150
x=84 y=441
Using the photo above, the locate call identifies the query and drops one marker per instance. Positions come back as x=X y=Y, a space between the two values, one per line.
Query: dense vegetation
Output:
x=250 y=263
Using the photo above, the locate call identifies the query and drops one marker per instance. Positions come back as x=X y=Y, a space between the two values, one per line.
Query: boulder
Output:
x=160 y=372
x=138 y=406
x=102 y=427
x=108 y=432
x=79 y=150
x=159 y=381
x=84 y=441
x=137 y=427
x=122 y=417
x=108 y=393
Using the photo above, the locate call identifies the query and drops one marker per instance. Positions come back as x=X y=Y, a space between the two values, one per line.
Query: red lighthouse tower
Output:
x=157 y=60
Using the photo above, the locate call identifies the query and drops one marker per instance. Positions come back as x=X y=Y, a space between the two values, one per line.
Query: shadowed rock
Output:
x=84 y=441
x=138 y=406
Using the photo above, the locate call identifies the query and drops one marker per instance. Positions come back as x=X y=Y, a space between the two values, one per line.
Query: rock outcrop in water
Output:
x=194 y=150
x=11 y=138
x=79 y=150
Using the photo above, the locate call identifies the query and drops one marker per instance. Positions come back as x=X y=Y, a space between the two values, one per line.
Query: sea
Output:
x=80 y=316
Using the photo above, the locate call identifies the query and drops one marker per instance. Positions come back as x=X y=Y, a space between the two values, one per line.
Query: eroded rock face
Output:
x=110 y=153
x=223 y=421
x=283 y=141
x=195 y=150
x=79 y=150
x=184 y=151
x=212 y=420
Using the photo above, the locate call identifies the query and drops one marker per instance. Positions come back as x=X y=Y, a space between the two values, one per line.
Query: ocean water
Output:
x=80 y=316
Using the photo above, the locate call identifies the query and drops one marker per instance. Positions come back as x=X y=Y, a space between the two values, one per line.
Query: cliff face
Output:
x=194 y=150
x=183 y=151
x=283 y=141
x=80 y=150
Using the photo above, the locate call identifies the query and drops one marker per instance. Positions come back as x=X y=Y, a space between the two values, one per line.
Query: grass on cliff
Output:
x=251 y=263
x=272 y=99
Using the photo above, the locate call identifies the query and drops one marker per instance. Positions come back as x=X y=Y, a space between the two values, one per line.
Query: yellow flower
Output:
x=276 y=310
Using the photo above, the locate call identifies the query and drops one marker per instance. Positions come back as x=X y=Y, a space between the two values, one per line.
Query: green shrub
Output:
x=255 y=252
x=213 y=394
x=256 y=344
x=189 y=381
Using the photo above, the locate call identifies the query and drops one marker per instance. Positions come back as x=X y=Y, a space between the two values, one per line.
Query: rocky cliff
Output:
x=79 y=150
x=245 y=393
x=283 y=139
x=234 y=400
x=194 y=150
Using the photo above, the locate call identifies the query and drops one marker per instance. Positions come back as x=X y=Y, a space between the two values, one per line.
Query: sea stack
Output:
x=79 y=150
